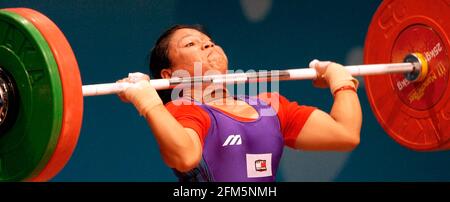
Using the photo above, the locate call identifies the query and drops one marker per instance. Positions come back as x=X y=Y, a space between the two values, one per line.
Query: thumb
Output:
x=320 y=66
x=137 y=76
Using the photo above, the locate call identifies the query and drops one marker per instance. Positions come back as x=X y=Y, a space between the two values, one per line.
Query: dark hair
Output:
x=159 y=55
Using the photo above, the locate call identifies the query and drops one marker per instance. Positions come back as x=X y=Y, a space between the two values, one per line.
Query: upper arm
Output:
x=322 y=132
x=194 y=154
x=197 y=145
x=291 y=115
x=191 y=117
x=186 y=149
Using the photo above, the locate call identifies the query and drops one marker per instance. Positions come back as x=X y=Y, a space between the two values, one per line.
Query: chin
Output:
x=224 y=71
x=216 y=70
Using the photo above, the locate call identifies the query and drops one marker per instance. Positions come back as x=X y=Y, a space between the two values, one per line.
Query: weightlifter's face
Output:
x=188 y=46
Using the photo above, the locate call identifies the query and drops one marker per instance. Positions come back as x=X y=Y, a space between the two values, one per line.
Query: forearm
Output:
x=180 y=147
x=346 y=111
x=176 y=145
x=338 y=130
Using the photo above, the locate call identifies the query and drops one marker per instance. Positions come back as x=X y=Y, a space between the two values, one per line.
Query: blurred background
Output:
x=113 y=37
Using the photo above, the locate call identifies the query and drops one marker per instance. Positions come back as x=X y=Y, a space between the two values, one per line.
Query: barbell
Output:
x=41 y=94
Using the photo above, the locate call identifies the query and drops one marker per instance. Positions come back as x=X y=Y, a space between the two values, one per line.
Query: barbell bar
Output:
x=413 y=68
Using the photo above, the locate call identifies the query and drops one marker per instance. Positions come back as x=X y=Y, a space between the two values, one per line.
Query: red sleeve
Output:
x=191 y=116
x=292 y=116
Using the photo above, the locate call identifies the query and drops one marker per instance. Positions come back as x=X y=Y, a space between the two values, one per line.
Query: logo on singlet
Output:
x=260 y=165
x=233 y=140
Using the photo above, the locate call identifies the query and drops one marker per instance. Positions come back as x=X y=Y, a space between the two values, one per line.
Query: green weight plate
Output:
x=28 y=145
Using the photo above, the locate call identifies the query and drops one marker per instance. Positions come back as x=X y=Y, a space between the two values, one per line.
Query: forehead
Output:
x=181 y=33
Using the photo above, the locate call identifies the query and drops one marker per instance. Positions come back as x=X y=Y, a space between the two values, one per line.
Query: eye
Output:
x=189 y=44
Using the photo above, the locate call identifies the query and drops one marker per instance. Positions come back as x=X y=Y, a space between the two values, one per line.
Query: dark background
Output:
x=112 y=38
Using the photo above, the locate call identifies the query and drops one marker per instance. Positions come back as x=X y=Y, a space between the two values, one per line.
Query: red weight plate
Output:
x=72 y=91
x=415 y=114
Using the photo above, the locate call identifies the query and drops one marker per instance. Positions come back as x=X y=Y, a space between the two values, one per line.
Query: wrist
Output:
x=146 y=104
x=143 y=96
x=344 y=88
x=152 y=110
x=349 y=81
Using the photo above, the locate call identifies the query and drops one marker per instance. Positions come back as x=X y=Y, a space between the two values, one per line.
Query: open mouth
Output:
x=214 y=57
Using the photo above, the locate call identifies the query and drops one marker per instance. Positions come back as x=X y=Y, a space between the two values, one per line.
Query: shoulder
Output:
x=286 y=109
x=272 y=98
x=185 y=107
x=181 y=104
x=190 y=115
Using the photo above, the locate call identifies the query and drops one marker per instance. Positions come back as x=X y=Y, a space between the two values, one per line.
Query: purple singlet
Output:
x=236 y=151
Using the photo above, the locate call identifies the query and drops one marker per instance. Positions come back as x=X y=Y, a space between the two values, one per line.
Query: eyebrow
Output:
x=179 y=41
x=189 y=35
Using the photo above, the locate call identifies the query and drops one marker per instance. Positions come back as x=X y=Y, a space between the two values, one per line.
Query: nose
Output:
x=208 y=44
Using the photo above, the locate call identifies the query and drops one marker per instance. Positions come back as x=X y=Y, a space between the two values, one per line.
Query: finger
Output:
x=146 y=77
x=137 y=76
x=122 y=97
x=320 y=83
x=125 y=80
x=313 y=63
x=320 y=66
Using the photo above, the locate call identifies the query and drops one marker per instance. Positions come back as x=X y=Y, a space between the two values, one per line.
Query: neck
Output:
x=207 y=94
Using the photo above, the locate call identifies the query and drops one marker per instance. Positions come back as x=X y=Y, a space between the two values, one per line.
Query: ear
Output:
x=166 y=73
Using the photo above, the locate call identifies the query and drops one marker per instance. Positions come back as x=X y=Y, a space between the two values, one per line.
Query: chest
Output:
x=258 y=134
x=243 y=150
x=236 y=108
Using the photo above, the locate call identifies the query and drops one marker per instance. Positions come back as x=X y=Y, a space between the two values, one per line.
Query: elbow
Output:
x=351 y=143
x=347 y=140
x=187 y=163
